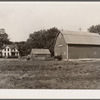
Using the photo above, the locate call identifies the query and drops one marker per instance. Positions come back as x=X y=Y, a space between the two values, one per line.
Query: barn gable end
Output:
x=60 y=46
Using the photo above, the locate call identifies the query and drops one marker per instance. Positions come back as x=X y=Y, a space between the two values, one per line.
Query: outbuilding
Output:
x=77 y=45
x=40 y=54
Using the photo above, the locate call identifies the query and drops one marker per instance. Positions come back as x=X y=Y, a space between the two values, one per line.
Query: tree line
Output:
x=39 y=39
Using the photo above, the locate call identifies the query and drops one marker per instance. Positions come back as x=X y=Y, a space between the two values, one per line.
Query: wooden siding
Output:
x=83 y=51
x=61 y=47
x=40 y=56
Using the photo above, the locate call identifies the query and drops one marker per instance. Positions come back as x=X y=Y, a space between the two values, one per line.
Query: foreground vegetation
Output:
x=15 y=74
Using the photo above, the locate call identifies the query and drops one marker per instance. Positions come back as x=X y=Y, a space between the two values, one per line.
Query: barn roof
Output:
x=79 y=37
x=40 y=51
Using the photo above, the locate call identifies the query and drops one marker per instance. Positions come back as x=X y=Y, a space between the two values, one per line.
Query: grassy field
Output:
x=15 y=74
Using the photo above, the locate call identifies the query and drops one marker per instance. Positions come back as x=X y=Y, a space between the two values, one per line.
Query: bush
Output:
x=2 y=57
x=58 y=57
x=12 y=57
x=28 y=57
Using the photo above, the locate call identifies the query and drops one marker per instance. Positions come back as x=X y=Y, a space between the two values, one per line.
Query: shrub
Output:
x=58 y=57
x=12 y=57
x=28 y=57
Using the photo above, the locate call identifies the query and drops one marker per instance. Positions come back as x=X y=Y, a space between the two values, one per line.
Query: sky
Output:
x=19 y=19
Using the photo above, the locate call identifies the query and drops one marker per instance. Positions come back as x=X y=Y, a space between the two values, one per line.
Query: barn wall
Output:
x=41 y=56
x=60 y=47
x=83 y=51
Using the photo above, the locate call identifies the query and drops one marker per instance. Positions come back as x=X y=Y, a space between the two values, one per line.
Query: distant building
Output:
x=40 y=54
x=77 y=45
x=9 y=51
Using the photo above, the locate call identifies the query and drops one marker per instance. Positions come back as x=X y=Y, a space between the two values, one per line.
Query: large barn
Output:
x=77 y=45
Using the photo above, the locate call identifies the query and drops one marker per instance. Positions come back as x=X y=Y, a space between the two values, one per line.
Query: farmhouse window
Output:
x=8 y=54
x=8 y=49
x=16 y=54
x=5 y=54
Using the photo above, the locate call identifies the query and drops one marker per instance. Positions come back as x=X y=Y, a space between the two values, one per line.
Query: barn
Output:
x=77 y=45
x=40 y=54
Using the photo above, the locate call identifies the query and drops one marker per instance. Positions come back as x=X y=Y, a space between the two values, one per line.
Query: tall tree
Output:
x=43 y=39
x=51 y=36
x=4 y=38
x=94 y=29
x=23 y=47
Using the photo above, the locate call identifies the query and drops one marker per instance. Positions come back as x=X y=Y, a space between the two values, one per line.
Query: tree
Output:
x=43 y=39
x=51 y=36
x=23 y=47
x=4 y=38
x=36 y=39
x=94 y=29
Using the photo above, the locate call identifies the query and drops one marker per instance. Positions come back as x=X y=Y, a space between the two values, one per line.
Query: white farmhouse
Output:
x=9 y=51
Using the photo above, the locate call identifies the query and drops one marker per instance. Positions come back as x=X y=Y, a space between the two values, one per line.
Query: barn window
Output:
x=60 y=45
x=8 y=54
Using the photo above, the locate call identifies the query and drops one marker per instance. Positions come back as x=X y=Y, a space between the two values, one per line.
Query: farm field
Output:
x=16 y=74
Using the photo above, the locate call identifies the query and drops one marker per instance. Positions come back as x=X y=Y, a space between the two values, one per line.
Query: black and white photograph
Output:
x=50 y=45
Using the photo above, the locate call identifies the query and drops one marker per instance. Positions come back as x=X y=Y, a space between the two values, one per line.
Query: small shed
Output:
x=40 y=54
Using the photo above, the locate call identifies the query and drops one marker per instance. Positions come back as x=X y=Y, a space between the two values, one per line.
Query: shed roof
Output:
x=40 y=51
x=79 y=37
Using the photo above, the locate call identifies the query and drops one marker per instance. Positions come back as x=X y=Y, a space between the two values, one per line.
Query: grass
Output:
x=16 y=74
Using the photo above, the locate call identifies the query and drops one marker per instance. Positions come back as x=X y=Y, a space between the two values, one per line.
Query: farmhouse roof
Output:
x=11 y=46
x=40 y=51
x=79 y=37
